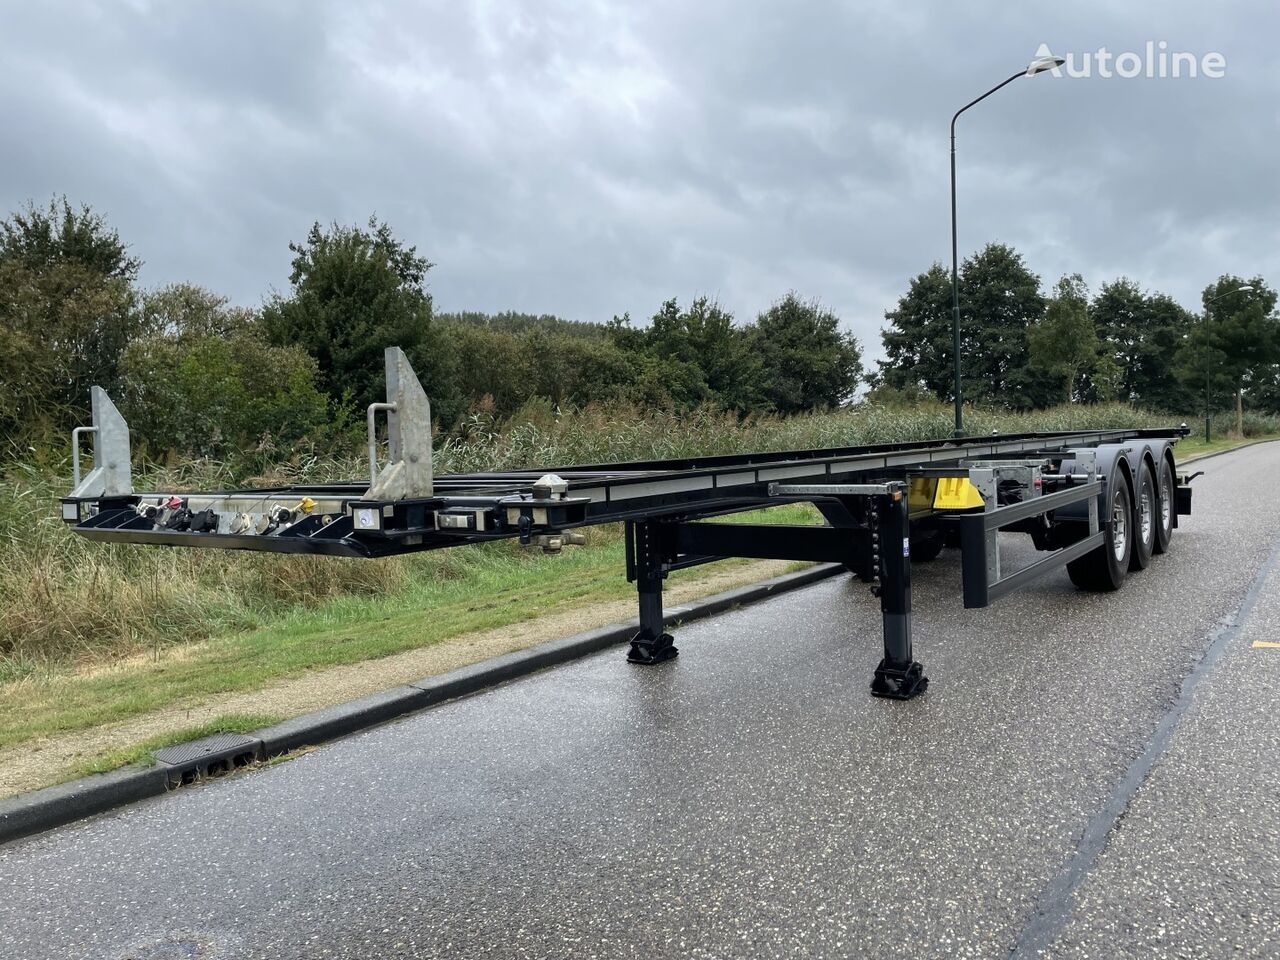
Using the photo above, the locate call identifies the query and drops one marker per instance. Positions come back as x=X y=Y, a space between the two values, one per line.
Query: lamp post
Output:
x=1037 y=66
x=1244 y=288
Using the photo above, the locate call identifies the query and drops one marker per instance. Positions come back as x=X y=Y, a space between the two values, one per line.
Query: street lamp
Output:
x=1244 y=288
x=1037 y=66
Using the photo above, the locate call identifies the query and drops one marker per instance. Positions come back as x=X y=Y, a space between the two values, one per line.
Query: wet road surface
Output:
x=1087 y=776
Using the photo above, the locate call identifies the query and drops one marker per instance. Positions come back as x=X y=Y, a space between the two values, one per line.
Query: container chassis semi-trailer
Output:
x=1099 y=502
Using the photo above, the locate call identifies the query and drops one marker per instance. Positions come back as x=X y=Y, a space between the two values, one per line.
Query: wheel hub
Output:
x=1119 y=527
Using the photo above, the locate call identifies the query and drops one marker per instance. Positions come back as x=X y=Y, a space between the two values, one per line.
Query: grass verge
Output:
x=1195 y=446
x=502 y=585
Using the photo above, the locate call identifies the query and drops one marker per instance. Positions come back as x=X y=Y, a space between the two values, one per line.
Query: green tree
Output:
x=186 y=310
x=29 y=371
x=44 y=237
x=67 y=310
x=1141 y=335
x=709 y=358
x=500 y=367
x=1264 y=390
x=654 y=382
x=569 y=369
x=999 y=297
x=1064 y=347
x=512 y=321
x=490 y=363
x=354 y=292
x=917 y=339
x=667 y=341
x=1237 y=343
x=885 y=394
x=1157 y=383
x=203 y=382
x=808 y=363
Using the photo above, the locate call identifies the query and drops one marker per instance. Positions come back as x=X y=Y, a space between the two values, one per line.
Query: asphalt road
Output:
x=1087 y=776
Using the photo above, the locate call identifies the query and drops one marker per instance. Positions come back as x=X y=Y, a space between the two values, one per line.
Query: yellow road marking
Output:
x=1266 y=643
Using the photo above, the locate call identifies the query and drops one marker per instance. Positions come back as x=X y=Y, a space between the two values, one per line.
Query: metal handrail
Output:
x=373 y=437
x=76 y=434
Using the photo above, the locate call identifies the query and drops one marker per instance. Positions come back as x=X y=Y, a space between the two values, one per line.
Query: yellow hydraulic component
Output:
x=957 y=493
x=306 y=505
x=920 y=491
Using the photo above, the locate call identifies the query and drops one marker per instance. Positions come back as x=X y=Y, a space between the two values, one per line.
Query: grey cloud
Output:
x=589 y=159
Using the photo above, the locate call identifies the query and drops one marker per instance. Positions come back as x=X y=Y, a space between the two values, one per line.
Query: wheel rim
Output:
x=1119 y=527
x=1166 y=498
x=1146 y=514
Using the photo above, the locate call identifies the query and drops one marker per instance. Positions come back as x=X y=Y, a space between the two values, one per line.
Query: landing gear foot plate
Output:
x=899 y=681
x=646 y=650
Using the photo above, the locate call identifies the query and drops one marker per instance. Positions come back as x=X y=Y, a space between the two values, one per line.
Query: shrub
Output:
x=211 y=397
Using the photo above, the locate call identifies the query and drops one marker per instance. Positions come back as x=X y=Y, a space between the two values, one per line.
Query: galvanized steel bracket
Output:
x=111 y=475
x=408 y=475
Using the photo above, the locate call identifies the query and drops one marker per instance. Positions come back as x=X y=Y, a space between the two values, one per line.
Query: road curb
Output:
x=41 y=810
x=44 y=809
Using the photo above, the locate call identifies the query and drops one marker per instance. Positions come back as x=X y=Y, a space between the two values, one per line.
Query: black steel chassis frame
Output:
x=862 y=492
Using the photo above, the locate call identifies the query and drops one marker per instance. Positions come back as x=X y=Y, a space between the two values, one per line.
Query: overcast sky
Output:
x=587 y=159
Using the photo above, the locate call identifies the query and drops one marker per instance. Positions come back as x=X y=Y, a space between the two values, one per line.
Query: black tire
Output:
x=1165 y=513
x=924 y=549
x=1146 y=510
x=1104 y=569
x=926 y=546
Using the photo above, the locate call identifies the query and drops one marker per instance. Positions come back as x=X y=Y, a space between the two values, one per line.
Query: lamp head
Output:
x=1044 y=65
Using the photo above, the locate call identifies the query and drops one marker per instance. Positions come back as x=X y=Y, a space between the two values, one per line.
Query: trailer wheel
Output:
x=1164 y=516
x=1104 y=569
x=1146 y=514
x=927 y=546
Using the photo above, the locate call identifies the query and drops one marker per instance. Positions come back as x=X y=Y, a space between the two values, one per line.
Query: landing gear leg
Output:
x=899 y=676
x=651 y=644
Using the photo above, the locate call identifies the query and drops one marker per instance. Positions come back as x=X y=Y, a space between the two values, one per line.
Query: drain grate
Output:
x=210 y=757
